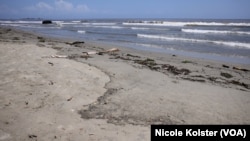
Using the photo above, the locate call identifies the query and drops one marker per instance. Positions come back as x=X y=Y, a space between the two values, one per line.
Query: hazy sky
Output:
x=72 y=9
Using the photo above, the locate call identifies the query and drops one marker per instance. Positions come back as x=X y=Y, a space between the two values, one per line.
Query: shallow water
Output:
x=223 y=40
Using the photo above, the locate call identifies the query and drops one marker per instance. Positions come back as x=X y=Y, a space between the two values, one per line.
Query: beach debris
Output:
x=120 y=57
x=241 y=69
x=175 y=70
x=52 y=64
x=150 y=63
x=226 y=75
x=55 y=56
x=42 y=40
x=8 y=104
x=39 y=37
x=90 y=53
x=32 y=136
x=75 y=43
x=194 y=80
x=69 y=99
x=112 y=50
x=56 y=47
x=247 y=86
x=15 y=38
x=225 y=66
x=68 y=56
x=100 y=53
x=51 y=83
x=186 y=61
x=85 y=55
x=134 y=56
x=146 y=62
x=208 y=66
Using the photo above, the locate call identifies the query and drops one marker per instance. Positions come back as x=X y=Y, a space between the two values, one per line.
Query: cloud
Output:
x=82 y=8
x=59 y=6
x=43 y=6
x=63 y=5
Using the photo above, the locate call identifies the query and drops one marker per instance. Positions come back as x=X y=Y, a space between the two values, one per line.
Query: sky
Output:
x=87 y=9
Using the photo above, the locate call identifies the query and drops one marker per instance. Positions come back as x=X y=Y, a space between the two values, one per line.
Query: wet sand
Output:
x=110 y=96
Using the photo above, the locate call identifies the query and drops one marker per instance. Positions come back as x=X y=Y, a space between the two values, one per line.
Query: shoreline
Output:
x=111 y=95
x=230 y=46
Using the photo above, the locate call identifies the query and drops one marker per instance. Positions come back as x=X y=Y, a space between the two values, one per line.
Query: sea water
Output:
x=222 y=40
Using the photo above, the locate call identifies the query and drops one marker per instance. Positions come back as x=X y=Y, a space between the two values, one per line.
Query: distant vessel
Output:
x=46 y=22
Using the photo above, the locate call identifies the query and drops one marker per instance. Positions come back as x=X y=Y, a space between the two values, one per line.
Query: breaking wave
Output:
x=165 y=23
x=81 y=31
x=213 y=31
x=113 y=27
x=139 y=28
x=103 y=23
x=21 y=22
x=232 y=44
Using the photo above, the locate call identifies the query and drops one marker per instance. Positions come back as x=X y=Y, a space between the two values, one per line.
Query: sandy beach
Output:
x=110 y=96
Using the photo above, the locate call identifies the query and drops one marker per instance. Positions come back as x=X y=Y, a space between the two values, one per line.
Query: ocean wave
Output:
x=149 y=45
x=81 y=31
x=165 y=23
x=95 y=24
x=226 y=43
x=21 y=22
x=139 y=28
x=30 y=26
x=110 y=33
x=103 y=23
x=113 y=27
x=213 y=31
x=8 y=24
x=215 y=24
x=143 y=28
x=65 y=23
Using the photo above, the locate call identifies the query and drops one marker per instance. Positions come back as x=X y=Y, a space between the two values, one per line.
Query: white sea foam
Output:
x=165 y=23
x=149 y=45
x=113 y=27
x=213 y=31
x=67 y=23
x=28 y=26
x=81 y=31
x=232 y=44
x=216 y=24
x=4 y=24
x=103 y=23
x=21 y=22
x=139 y=28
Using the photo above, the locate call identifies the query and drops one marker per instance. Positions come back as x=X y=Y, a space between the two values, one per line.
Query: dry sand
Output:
x=110 y=96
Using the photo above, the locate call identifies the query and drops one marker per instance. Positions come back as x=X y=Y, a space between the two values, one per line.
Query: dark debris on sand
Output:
x=183 y=72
